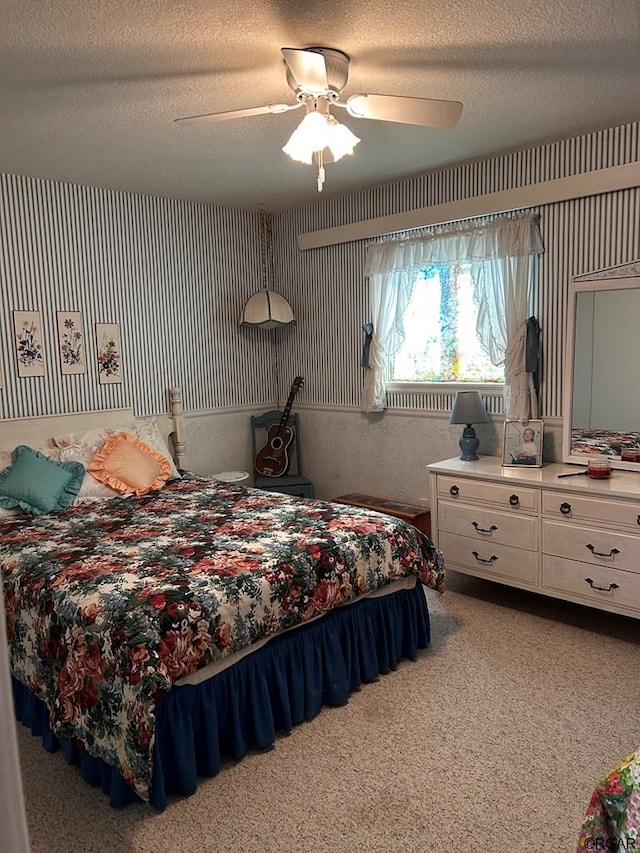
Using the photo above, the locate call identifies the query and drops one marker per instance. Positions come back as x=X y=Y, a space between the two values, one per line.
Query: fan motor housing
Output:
x=337 y=65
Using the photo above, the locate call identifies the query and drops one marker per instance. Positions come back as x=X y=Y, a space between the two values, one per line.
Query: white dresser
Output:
x=574 y=538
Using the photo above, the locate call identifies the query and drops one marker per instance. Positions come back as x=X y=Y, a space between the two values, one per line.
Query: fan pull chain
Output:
x=320 y=171
x=264 y=248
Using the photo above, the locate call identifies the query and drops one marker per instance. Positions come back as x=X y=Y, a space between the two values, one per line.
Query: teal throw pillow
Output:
x=38 y=484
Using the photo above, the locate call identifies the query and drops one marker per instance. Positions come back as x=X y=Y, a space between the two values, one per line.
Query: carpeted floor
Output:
x=492 y=741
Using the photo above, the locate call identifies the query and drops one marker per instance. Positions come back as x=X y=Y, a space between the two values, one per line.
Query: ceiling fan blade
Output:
x=308 y=69
x=231 y=114
x=423 y=111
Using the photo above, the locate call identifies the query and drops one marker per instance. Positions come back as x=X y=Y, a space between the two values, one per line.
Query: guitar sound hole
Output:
x=276 y=443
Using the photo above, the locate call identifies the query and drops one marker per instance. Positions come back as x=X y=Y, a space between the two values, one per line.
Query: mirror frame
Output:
x=622 y=277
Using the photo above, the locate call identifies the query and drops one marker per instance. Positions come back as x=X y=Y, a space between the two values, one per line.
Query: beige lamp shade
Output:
x=267 y=310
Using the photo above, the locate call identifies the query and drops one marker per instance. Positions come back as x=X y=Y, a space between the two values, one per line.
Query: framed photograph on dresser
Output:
x=522 y=443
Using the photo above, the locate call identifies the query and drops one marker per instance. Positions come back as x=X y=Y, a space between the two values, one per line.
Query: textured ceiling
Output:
x=89 y=89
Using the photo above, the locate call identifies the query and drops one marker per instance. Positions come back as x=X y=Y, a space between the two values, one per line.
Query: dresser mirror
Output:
x=602 y=383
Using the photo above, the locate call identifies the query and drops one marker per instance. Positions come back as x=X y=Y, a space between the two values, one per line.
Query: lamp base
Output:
x=469 y=444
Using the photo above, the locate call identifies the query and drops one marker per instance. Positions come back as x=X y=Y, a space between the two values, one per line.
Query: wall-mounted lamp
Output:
x=266 y=309
x=469 y=409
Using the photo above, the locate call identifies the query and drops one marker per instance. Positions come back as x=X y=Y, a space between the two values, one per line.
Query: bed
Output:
x=153 y=635
x=612 y=819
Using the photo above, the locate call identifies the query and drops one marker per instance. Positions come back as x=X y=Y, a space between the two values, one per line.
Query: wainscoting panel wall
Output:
x=329 y=285
x=173 y=275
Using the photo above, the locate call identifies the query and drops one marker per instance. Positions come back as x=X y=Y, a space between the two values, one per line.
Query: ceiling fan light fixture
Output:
x=318 y=76
x=308 y=137
x=319 y=131
x=341 y=140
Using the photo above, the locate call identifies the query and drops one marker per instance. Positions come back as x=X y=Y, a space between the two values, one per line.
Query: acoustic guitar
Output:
x=273 y=459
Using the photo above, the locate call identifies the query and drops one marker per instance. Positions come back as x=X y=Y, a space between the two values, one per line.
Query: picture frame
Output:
x=522 y=443
x=71 y=346
x=29 y=345
x=108 y=353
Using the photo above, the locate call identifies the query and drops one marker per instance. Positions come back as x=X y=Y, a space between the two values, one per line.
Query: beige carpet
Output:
x=492 y=741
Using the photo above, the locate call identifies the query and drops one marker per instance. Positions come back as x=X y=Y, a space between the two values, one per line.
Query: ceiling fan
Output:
x=318 y=75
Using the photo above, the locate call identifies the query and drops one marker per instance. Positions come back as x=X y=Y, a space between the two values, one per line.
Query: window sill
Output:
x=493 y=389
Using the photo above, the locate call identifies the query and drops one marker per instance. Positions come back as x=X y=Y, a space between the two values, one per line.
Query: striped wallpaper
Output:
x=328 y=285
x=175 y=275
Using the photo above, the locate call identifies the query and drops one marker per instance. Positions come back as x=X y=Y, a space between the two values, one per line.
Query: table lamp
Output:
x=469 y=409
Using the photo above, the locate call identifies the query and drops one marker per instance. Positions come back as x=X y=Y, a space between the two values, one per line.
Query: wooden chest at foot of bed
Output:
x=419 y=516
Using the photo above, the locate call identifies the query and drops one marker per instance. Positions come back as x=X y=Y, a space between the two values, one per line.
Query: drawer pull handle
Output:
x=609 y=588
x=638 y=519
x=565 y=509
x=479 y=529
x=479 y=559
x=514 y=500
x=595 y=553
x=454 y=490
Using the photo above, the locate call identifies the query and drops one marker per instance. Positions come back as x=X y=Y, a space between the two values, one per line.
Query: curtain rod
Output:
x=596 y=182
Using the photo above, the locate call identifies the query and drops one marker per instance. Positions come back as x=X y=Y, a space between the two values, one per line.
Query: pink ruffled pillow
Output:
x=128 y=465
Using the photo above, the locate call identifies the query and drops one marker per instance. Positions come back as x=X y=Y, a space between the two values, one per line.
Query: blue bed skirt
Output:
x=282 y=684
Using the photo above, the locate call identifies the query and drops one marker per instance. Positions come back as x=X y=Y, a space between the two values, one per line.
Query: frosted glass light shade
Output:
x=317 y=131
x=267 y=310
x=341 y=141
x=309 y=136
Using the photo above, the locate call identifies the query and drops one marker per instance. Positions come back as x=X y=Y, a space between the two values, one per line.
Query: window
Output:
x=441 y=344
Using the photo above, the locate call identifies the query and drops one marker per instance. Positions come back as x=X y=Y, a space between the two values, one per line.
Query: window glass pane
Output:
x=441 y=344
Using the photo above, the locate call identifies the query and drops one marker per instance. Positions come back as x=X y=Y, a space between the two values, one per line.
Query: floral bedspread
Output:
x=612 y=821
x=109 y=604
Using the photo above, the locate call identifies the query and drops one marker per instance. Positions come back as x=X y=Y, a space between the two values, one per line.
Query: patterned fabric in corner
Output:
x=612 y=820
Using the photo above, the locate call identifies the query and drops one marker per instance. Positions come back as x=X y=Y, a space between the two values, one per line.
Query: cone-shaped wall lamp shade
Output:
x=268 y=310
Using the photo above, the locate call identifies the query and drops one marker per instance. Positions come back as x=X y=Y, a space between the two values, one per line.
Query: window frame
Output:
x=407 y=386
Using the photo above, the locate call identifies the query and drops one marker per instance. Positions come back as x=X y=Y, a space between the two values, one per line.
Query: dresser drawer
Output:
x=510 y=496
x=595 y=584
x=489 y=525
x=597 y=547
x=489 y=559
x=579 y=508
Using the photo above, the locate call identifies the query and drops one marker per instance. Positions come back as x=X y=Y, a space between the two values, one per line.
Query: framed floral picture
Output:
x=108 y=353
x=28 y=341
x=522 y=443
x=71 y=343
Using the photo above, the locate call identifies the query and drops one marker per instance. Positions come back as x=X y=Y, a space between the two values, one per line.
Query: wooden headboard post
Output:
x=178 y=433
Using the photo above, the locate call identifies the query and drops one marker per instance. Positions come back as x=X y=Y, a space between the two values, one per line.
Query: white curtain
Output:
x=500 y=252
x=390 y=295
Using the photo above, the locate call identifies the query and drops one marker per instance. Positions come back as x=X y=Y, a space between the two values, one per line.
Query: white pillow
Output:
x=91 y=489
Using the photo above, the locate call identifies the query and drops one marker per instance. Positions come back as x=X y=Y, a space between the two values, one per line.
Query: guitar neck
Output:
x=297 y=382
x=287 y=411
